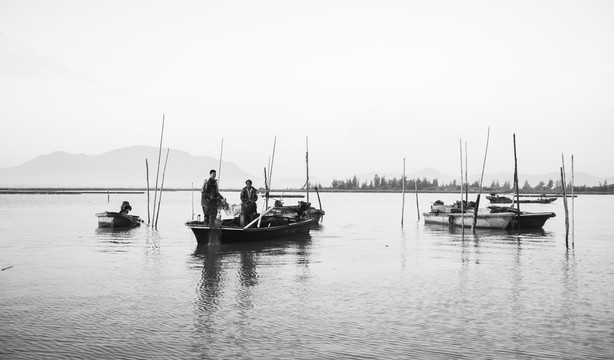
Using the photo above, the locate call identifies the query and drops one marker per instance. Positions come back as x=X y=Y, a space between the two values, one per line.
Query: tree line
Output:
x=381 y=183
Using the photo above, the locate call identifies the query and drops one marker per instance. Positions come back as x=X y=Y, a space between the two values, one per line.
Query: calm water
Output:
x=358 y=287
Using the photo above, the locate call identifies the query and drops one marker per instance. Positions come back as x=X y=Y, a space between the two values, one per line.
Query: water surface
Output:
x=359 y=286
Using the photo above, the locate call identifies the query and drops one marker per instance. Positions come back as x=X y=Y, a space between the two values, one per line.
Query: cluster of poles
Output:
x=465 y=193
x=153 y=216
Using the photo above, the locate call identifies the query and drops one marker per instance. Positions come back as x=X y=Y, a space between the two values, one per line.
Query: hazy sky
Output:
x=369 y=82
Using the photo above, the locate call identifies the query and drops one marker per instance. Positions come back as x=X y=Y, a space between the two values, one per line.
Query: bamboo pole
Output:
x=265 y=205
x=403 y=187
x=516 y=178
x=192 y=201
x=270 y=173
x=466 y=176
x=317 y=193
x=417 y=204
x=573 y=229
x=307 y=164
x=564 y=180
x=219 y=168
x=477 y=202
x=158 y=170
x=564 y=190
x=461 y=188
x=147 y=177
x=161 y=186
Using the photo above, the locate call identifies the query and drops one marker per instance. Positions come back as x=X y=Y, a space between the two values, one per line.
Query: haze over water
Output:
x=359 y=286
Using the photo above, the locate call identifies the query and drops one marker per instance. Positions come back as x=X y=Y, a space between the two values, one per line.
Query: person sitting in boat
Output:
x=248 y=203
x=210 y=198
x=125 y=208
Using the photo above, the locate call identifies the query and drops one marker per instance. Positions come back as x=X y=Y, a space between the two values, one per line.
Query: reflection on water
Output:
x=231 y=275
x=359 y=287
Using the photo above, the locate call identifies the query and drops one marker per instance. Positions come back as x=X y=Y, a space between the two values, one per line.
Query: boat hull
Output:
x=110 y=219
x=203 y=233
x=484 y=221
x=531 y=220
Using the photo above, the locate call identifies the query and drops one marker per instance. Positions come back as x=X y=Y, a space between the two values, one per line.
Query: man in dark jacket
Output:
x=248 y=203
x=210 y=198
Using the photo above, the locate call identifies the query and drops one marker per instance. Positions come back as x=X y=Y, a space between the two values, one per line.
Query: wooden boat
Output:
x=109 y=219
x=271 y=227
x=452 y=215
x=524 y=219
x=500 y=199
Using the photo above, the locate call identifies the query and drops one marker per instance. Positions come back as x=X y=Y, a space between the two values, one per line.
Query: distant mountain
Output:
x=125 y=167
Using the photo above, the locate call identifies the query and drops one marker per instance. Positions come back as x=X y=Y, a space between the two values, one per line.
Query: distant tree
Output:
x=376 y=181
x=506 y=185
x=550 y=184
x=526 y=185
x=540 y=186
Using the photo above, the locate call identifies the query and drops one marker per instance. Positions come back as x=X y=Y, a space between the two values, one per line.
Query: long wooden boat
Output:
x=500 y=199
x=109 y=219
x=271 y=227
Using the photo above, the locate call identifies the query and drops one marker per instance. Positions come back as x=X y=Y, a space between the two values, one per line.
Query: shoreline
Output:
x=277 y=192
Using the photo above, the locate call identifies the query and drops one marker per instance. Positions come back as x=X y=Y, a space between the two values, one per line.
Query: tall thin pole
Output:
x=307 y=165
x=466 y=177
x=477 y=202
x=403 y=189
x=270 y=174
x=158 y=170
x=272 y=161
x=219 y=168
x=516 y=177
x=147 y=177
x=572 y=205
x=161 y=186
x=192 y=201
x=461 y=187
x=417 y=203
x=564 y=181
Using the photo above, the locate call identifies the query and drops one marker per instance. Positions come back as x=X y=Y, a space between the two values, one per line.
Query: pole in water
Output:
x=477 y=202
x=161 y=186
x=462 y=204
x=147 y=176
x=417 y=203
x=403 y=187
x=158 y=170
x=572 y=206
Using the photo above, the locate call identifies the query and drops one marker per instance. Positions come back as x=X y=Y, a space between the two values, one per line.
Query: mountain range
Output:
x=126 y=168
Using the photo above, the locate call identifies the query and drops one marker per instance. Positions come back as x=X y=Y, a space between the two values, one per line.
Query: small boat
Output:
x=271 y=227
x=498 y=199
x=109 y=219
x=453 y=215
x=524 y=219
x=524 y=199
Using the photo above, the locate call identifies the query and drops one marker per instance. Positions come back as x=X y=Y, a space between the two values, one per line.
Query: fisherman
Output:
x=125 y=208
x=210 y=198
x=248 y=203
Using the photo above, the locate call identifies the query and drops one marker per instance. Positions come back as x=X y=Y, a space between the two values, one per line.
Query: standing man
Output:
x=210 y=198
x=248 y=203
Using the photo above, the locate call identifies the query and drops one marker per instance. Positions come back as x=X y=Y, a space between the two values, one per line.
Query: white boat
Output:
x=452 y=215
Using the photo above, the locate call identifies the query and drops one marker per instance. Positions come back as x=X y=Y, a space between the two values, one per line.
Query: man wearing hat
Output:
x=248 y=203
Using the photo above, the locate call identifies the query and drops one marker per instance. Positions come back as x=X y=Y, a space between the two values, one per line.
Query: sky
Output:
x=368 y=83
